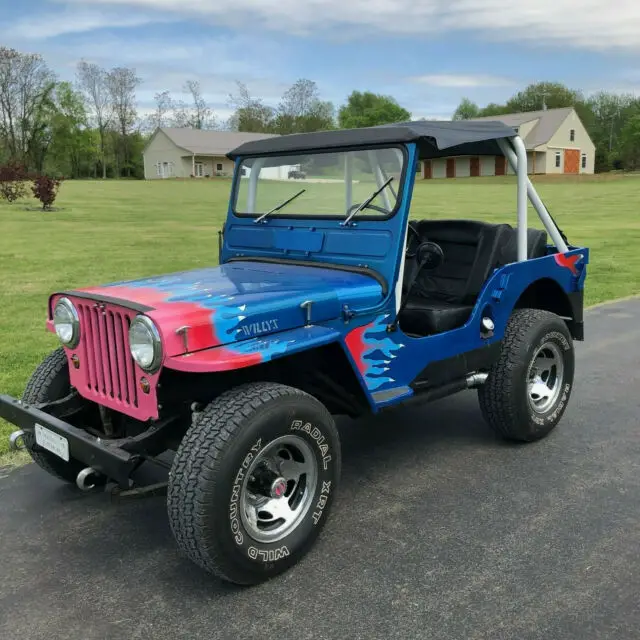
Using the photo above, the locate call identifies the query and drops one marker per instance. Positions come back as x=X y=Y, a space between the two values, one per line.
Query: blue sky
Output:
x=427 y=53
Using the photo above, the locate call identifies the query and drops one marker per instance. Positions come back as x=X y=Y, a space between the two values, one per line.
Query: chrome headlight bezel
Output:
x=74 y=321
x=154 y=341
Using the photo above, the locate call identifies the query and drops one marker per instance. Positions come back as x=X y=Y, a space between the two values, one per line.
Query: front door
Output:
x=572 y=160
x=501 y=165
x=198 y=169
x=474 y=167
x=428 y=170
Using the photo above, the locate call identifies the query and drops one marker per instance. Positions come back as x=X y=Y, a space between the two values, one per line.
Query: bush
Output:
x=12 y=182
x=45 y=189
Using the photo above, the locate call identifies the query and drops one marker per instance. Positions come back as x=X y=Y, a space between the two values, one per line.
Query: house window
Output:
x=572 y=135
x=584 y=160
x=558 y=159
x=198 y=169
x=219 y=166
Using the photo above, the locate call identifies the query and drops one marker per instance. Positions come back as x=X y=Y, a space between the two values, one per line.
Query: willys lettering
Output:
x=256 y=328
x=314 y=432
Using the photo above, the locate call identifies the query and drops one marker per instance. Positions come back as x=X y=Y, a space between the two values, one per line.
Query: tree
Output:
x=12 y=185
x=93 y=81
x=196 y=114
x=466 y=110
x=121 y=84
x=366 y=109
x=493 y=109
x=26 y=87
x=70 y=152
x=539 y=95
x=161 y=116
x=45 y=189
x=250 y=115
x=302 y=111
x=630 y=143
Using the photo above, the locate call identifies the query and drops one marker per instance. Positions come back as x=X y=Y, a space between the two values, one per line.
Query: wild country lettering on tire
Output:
x=271 y=555
x=564 y=343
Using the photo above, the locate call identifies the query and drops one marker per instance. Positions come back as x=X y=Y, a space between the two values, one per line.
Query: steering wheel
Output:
x=375 y=207
x=413 y=241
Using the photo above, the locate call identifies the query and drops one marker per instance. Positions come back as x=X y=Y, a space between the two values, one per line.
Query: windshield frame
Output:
x=362 y=215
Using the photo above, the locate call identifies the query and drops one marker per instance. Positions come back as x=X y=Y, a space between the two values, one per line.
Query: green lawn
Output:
x=113 y=230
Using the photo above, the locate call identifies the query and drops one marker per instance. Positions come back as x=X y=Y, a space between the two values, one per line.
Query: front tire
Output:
x=528 y=388
x=48 y=383
x=253 y=480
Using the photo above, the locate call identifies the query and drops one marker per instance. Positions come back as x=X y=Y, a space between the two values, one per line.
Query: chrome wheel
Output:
x=545 y=377
x=278 y=489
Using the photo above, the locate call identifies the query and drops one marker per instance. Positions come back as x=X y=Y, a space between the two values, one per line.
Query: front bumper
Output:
x=107 y=457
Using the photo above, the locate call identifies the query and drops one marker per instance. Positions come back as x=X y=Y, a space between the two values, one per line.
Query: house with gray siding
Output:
x=182 y=152
x=556 y=140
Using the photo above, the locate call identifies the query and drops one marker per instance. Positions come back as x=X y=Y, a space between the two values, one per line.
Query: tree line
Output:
x=612 y=119
x=92 y=127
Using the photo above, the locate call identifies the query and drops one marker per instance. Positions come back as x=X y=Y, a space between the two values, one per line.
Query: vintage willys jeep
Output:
x=327 y=301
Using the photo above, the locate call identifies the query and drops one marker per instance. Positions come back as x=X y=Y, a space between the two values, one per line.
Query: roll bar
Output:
x=516 y=154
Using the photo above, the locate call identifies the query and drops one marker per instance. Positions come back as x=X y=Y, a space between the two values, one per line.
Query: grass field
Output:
x=114 y=230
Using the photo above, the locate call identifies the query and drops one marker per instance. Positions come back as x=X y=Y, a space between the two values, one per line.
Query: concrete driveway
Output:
x=441 y=531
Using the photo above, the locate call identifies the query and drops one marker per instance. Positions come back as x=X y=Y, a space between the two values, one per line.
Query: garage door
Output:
x=451 y=167
x=572 y=160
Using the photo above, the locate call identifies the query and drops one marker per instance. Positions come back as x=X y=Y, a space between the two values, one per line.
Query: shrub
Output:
x=45 y=189
x=12 y=182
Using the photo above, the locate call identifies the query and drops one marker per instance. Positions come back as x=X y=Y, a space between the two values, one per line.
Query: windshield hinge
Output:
x=347 y=313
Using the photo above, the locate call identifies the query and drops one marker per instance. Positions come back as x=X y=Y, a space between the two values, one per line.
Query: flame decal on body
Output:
x=568 y=262
x=373 y=351
x=225 y=319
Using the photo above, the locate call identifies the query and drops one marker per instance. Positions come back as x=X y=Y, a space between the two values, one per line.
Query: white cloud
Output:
x=46 y=26
x=456 y=81
x=589 y=24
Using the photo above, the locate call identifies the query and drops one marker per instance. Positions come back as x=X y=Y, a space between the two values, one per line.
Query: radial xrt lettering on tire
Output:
x=528 y=388
x=253 y=481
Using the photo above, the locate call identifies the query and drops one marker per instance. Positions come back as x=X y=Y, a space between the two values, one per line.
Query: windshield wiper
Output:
x=368 y=201
x=280 y=206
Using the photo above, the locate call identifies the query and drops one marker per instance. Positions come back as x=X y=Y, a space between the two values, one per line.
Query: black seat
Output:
x=443 y=300
x=536 y=246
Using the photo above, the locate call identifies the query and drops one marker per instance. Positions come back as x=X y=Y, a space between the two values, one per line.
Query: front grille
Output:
x=104 y=350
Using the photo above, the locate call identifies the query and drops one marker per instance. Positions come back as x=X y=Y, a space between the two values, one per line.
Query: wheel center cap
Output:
x=278 y=487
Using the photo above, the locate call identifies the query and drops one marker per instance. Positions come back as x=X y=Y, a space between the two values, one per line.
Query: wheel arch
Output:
x=323 y=371
x=547 y=294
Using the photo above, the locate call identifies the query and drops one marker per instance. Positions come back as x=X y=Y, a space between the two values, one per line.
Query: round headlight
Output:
x=145 y=344
x=66 y=323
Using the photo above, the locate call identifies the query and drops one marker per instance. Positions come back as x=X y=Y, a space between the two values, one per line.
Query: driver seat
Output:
x=443 y=299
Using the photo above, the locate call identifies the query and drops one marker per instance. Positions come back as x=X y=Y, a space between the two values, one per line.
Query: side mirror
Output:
x=429 y=256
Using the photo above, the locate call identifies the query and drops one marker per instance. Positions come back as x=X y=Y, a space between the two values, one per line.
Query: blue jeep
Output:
x=328 y=300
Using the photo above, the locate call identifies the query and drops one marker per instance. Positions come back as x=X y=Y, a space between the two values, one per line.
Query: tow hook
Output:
x=87 y=478
x=16 y=441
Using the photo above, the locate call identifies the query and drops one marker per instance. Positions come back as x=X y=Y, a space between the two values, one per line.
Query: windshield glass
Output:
x=334 y=183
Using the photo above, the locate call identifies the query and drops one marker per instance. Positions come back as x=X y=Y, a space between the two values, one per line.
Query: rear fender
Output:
x=248 y=353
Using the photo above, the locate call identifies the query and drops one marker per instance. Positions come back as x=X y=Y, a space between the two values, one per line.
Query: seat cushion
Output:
x=426 y=317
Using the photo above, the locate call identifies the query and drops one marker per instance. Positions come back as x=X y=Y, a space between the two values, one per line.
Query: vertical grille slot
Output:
x=104 y=349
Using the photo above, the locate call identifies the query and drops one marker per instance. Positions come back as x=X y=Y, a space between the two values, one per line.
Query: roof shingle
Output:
x=204 y=142
x=548 y=123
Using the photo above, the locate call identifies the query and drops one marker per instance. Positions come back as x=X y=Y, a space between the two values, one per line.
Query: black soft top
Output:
x=434 y=138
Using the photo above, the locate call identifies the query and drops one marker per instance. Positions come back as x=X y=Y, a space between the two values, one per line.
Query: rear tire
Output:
x=253 y=480
x=528 y=388
x=50 y=382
